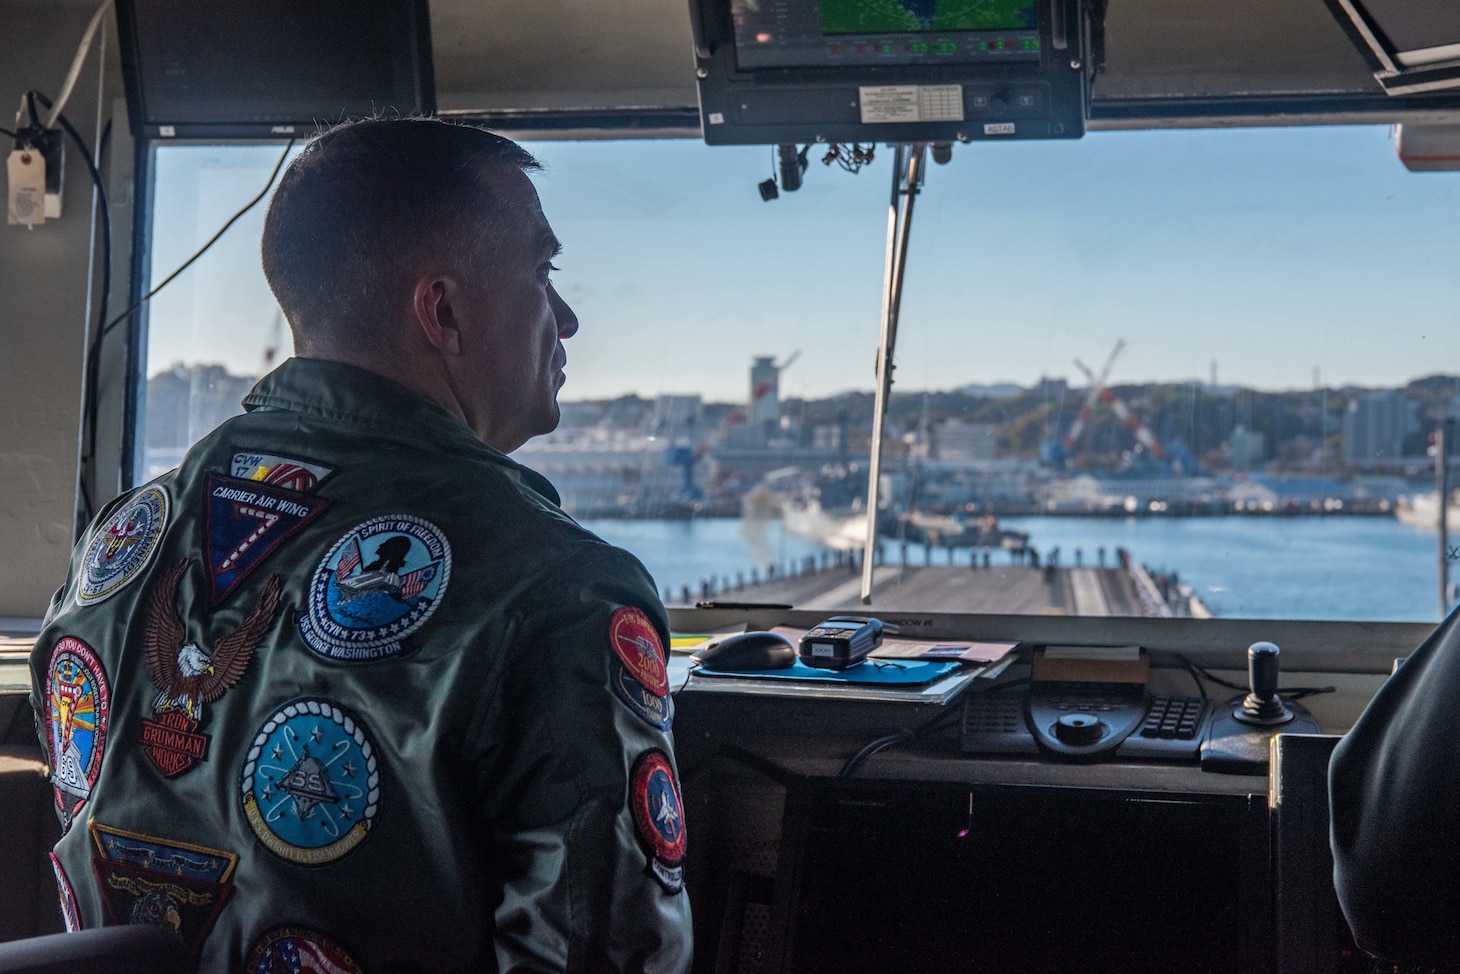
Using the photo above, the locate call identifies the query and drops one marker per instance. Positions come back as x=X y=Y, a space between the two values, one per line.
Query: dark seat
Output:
x=108 y=950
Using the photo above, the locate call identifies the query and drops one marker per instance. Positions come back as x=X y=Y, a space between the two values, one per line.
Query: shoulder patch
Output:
x=659 y=817
x=69 y=913
x=376 y=587
x=163 y=855
x=77 y=708
x=244 y=522
x=286 y=472
x=186 y=906
x=635 y=642
x=188 y=675
x=122 y=546
x=311 y=784
x=654 y=709
x=298 y=950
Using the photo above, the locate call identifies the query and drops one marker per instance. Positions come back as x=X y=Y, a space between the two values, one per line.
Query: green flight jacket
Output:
x=348 y=687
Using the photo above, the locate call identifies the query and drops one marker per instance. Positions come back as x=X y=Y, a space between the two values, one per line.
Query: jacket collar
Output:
x=354 y=396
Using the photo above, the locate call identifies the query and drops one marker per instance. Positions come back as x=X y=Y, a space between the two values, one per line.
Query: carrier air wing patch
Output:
x=187 y=676
x=244 y=522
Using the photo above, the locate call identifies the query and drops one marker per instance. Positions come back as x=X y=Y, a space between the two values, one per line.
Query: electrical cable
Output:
x=9 y=134
x=90 y=366
x=900 y=737
x=75 y=71
x=1292 y=693
x=784 y=777
x=204 y=249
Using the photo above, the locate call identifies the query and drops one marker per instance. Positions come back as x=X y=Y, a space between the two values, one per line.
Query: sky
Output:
x=1269 y=252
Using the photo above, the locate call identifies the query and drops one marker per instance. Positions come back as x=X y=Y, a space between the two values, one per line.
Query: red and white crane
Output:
x=1099 y=391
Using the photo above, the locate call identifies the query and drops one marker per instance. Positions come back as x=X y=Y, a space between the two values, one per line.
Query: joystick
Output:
x=1241 y=732
x=1262 y=707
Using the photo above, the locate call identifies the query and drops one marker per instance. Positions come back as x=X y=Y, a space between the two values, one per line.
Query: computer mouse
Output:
x=748 y=651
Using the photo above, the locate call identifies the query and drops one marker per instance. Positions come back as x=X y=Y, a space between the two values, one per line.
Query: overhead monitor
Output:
x=1412 y=45
x=780 y=71
x=271 y=67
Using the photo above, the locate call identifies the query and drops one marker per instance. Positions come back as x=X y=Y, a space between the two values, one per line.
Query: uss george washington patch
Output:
x=122 y=546
x=377 y=586
x=311 y=784
x=659 y=817
x=77 y=706
x=298 y=950
x=69 y=912
x=243 y=523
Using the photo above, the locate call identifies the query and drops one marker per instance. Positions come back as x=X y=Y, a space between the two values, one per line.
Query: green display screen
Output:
x=902 y=16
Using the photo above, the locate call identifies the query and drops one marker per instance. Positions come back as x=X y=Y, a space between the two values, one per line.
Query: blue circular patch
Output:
x=122 y=546
x=377 y=586
x=311 y=785
x=648 y=706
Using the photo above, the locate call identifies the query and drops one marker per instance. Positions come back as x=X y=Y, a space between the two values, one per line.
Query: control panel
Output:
x=1085 y=720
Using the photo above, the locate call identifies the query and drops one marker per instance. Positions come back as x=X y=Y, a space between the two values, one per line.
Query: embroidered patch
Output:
x=122 y=546
x=286 y=472
x=298 y=950
x=652 y=708
x=311 y=786
x=167 y=856
x=187 y=676
x=659 y=817
x=188 y=907
x=636 y=643
x=69 y=913
x=377 y=586
x=77 y=705
x=245 y=522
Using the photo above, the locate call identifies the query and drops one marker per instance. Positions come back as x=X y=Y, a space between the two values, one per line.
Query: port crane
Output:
x=1100 y=392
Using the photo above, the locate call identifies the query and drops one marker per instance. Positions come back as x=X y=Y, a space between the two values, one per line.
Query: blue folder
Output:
x=872 y=672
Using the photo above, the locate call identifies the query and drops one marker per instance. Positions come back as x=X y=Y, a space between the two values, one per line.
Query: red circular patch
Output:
x=636 y=643
x=658 y=809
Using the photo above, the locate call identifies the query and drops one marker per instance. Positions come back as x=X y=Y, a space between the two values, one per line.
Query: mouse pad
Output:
x=881 y=672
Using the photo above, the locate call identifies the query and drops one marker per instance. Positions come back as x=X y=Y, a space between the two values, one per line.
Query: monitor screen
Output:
x=272 y=63
x=856 y=33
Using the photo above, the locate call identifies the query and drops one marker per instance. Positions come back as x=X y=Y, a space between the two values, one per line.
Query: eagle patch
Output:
x=187 y=675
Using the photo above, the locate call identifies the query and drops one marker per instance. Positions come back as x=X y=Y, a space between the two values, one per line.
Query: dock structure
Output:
x=998 y=589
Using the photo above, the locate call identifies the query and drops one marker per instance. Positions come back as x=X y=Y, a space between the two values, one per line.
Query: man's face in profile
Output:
x=513 y=340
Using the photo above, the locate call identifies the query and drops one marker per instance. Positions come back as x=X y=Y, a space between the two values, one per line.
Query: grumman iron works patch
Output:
x=188 y=675
x=77 y=705
x=122 y=546
x=245 y=522
x=377 y=586
x=69 y=912
x=311 y=785
x=659 y=817
x=298 y=950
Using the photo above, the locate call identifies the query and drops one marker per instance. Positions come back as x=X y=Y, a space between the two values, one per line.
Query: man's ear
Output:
x=433 y=303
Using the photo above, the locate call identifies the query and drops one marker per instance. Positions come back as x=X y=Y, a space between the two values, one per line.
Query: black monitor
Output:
x=1412 y=46
x=271 y=68
x=783 y=71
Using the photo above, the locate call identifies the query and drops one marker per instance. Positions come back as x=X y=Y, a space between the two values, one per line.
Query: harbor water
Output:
x=1334 y=568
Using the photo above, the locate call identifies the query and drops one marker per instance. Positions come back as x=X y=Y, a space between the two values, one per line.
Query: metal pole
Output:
x=1442 y=494
x=899 y=224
